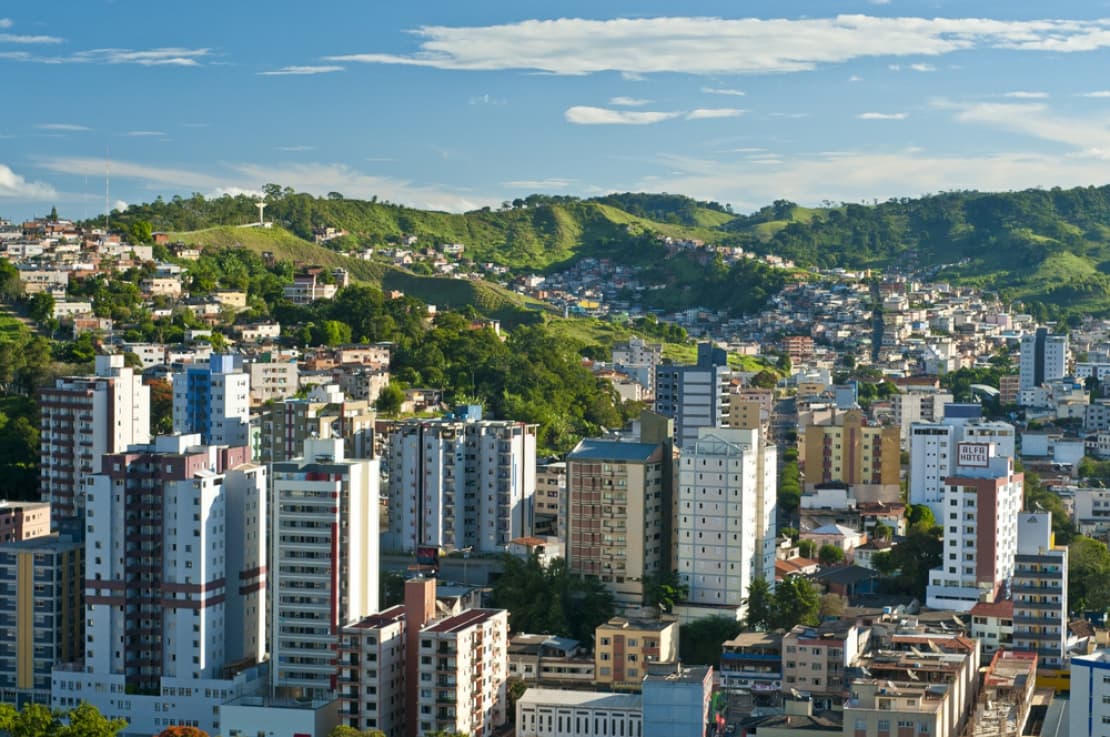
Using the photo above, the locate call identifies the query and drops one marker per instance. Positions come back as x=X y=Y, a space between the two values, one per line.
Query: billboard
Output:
x=427 y=555
x=976 y=455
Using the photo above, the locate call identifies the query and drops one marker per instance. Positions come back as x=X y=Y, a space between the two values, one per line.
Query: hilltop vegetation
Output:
x=1048 y=248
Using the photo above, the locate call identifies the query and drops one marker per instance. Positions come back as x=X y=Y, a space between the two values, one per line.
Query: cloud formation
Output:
x=1025 y=95
x=700 y=45
x=722 y=91
x=64 y=127
x=628 y=101
x=170 y=56
x=883 y=116
x=703 y=113
x=145 y=134
x=301 y=71
x=586 y=115
x=13 y=186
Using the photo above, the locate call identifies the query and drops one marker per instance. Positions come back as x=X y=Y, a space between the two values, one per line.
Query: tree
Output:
x=906 y=566
x=183 y=731
x=392 y=586
x=760 y=599
x=664 y=591
x=161 y=406
x=830 y=555
x=920 y=515
x=41 y=306
x=10 y=285
x=53 y=214
x=765 y=379
x=833 y=605
x=140 y=231
x=882 y=531
x=700 y=641
x=550 y=599
x=807 y=549
x=1088 y=575
x=796 y=602
x=390 y=399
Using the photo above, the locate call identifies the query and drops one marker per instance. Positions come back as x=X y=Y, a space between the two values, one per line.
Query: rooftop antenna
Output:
x=107 y=180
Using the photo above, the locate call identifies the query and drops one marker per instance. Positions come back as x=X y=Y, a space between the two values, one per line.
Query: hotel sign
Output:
x=976 y=455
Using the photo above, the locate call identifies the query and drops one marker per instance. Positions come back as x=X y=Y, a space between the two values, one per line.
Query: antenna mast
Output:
x=107 y=179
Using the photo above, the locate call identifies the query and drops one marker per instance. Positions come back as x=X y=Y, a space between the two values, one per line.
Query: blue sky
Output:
x=458 y=105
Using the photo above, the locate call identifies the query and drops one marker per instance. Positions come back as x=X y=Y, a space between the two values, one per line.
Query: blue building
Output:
x=213 y=399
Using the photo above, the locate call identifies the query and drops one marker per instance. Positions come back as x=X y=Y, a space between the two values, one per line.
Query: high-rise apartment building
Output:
x=918 y=406
x=981 y=503
x=213 y=399
x=550 y=500
x=694 y=396
x=725 y=526
x=325 y=414
x=84 y=417
x=175 y=584
x=460 y=483
x=42 y=613
x=1089 y=702
x=1044 y=357
x=324 y=561
x=23 y=520
x=852 y=452
x=1040 y=592
x=639 y=358
x=413 y=669
x=619 y=501
x=933 y=450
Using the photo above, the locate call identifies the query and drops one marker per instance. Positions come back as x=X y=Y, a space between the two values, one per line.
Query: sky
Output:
x=453 y=106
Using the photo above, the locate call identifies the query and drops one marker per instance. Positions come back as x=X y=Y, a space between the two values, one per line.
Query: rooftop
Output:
x=1003 y=609
x=613 y=450
x=459 y=622
x=628 y=623
x=581 y=699
x=388 y=616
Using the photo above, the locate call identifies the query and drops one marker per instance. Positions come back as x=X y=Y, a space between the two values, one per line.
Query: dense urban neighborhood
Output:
x=250 y=493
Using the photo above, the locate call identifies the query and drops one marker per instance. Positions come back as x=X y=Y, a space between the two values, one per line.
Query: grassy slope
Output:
x=489 y=298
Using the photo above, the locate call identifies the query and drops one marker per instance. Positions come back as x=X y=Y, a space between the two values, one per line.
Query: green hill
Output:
x=489 y=299
x=1048 y=248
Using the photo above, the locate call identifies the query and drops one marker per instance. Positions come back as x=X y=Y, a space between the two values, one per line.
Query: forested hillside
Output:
x=1049 y=248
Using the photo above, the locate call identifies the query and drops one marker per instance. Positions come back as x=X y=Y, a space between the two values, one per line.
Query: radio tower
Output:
x=107 y=179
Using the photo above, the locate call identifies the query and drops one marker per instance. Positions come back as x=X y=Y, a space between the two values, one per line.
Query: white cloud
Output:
x=883 y=116
x=68 y=127
x=704 y=45
x=316 y=178
x=703 y=113
x=173 y=56
x=13 y=186
x=1085 y=134
x=12 y=38
x=537 y=185
x=119 y=205
x=1096 y=93
x=856 y=176
x=301 y=70
x=295 y=148
x=879 y=2
x=145 y=134
x=855 y=78
x=628 y=101
x=586 y=115
x=1025 y=95
x=5 y=22
x=722 y=91
x=922 y=67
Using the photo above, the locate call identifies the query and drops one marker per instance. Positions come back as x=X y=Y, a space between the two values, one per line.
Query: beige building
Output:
x=815 y=659
x=619 y=499
x=852 y=452
x=550 y=500
x=326 y=414
x=624 y=648
x=23 y=520
x=273 y=381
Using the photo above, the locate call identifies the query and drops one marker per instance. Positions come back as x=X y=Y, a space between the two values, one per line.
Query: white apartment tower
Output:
x=725 y=522
x=933 y=450
x=981 y=503
x=213 y=399
x=84 y=417
x=175 y=583
x=324 y=561
x=1040 y=592
x=1044 y=357
x=455 y=484
x=694 y=396
x=1089 y=710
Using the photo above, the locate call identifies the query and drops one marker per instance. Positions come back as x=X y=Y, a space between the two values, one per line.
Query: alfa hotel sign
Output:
x=976 y=455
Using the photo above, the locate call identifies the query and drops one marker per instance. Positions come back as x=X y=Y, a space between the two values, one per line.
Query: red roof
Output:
x=1003 y=609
